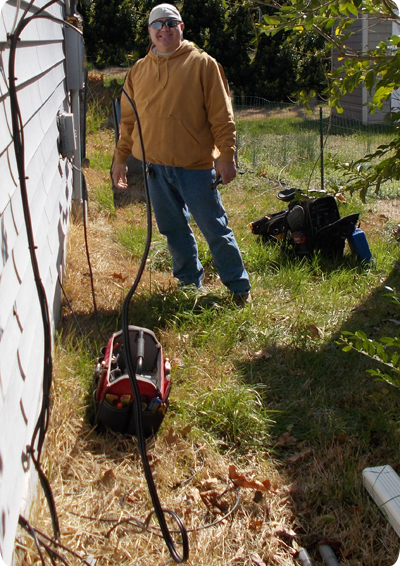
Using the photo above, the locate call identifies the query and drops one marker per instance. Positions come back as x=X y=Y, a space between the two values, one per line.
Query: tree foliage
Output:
x=110 y=29
x=385 y=352
x=255 y=64
x=376 y=68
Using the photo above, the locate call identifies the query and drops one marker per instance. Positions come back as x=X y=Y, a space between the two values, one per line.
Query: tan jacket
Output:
x=184 y=111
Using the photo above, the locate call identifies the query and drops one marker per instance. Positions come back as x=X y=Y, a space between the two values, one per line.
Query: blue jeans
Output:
x=176 y=194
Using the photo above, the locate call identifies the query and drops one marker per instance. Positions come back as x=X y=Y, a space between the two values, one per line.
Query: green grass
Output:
x=95 y=116
x=103 y=196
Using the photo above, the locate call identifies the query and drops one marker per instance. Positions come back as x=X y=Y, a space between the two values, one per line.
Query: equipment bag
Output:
x=113 y=396
x=307 y=225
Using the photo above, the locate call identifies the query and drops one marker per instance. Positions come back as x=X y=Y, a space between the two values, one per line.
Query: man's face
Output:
x=166 y=39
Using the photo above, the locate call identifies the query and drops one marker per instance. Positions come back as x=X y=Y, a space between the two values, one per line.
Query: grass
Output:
x=265 y=389
x=287 y=147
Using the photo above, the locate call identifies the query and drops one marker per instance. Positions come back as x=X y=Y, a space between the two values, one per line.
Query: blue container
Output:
x=359 y=245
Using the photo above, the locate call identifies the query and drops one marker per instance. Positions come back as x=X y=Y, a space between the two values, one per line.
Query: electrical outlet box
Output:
x=383 y=485
x=67 y=140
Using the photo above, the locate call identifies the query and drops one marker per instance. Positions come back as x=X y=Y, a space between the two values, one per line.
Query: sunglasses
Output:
x=171 y=23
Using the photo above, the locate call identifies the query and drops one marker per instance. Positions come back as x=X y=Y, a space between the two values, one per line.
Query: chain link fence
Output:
x=292 y=139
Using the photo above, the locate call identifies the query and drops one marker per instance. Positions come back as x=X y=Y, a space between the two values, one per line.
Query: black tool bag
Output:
x=306 y=226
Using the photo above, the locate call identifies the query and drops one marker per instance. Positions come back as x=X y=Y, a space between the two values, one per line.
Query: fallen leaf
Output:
x=108 y=478
x=194 y=496
x=314 y=331
x=267 y=485
x=255 y=524
x=240 y=480
x=299 y=456
x=186 y=429
x=286 y=439
x=171 y=438
x=284 y=533
x=256 y=559
x=212 y=501
x=119 y=276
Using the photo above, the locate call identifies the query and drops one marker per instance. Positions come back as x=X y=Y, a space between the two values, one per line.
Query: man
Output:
x=182 y=100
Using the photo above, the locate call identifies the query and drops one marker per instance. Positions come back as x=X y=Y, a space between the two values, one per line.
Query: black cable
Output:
x=53 y=554
x=159 y=511
x=42 y=423
x=84 y=213
x=145 y=526
x=31 y=531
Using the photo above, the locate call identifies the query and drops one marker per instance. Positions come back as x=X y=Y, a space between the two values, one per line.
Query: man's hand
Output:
x=226 y=170
x=118 y=174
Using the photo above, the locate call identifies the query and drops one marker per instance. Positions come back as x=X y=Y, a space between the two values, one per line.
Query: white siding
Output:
x=41 y=86
x=367 y=33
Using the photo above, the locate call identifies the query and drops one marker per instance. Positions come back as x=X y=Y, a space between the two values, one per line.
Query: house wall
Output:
x=367 y=33
x=42 y=93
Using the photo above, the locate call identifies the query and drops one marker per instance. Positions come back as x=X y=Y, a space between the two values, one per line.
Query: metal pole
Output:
x=321 y=142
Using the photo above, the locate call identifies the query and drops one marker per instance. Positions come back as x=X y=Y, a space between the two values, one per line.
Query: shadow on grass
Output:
x=321 y=392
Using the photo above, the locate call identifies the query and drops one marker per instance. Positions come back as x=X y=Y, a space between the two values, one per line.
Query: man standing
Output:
x=182 y=100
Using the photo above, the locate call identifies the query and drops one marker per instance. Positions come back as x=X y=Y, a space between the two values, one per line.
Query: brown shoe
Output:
x=242 y=300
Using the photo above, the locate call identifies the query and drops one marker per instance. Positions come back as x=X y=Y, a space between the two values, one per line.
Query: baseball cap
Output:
x=164 y=11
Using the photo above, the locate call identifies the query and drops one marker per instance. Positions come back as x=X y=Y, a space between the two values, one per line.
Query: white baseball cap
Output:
x=164 y=11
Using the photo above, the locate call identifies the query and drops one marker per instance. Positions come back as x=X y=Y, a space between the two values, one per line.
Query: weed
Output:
x=103 y=196
x=95 y=116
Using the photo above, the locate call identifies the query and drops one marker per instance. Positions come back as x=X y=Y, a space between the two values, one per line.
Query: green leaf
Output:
x=272 y=20
x=361 y=334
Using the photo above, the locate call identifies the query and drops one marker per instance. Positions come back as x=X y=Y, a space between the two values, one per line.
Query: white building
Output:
x=49 y=76
x=367 y=32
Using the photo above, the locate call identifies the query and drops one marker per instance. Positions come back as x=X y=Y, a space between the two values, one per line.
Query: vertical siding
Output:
x=40 y=69
x=367 y=33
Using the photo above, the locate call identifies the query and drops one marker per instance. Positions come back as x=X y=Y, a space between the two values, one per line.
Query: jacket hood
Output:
x=185 y=47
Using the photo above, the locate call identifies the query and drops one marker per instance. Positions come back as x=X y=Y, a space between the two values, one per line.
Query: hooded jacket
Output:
x=184 y=110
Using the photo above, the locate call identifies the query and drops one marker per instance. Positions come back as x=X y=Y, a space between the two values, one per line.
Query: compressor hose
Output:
x=132 y=370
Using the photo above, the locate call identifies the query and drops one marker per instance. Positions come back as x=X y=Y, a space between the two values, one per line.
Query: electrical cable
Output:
x=145 y=526
x=42 y=423
x=159 y=511
x=36 y=533
x=41 y=427
x=84 y=213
